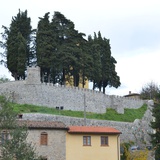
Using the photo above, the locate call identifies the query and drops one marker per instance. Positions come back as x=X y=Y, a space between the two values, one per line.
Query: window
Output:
x=44 y=138
x=4 y=136
x=87 y=140
x=104 y=140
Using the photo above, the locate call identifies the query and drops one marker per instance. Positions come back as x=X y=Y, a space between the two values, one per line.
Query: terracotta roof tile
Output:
x=93 y=129
x=42 y=124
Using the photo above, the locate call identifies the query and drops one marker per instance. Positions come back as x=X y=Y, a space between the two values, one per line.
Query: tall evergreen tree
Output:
x=95 y=76
x=44 y=47
x=22 y=56
x=105 y=64
x=69 y=50
x=20 y=24
x=64 y=49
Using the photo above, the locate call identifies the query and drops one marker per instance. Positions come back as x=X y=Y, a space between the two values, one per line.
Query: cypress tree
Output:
x=44 y=47
x=95 y=54
x=20 y=24
x=22 y=56
x=69 y=48
x=104 y=63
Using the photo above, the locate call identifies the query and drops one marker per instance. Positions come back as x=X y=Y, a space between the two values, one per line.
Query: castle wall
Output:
x=68 y=98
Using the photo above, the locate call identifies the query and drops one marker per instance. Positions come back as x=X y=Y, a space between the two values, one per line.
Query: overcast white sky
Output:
x=133 y=27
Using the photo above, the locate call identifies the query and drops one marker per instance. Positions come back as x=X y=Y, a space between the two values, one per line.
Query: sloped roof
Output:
x=132 y=94
x=42 y=124
x=93 y=129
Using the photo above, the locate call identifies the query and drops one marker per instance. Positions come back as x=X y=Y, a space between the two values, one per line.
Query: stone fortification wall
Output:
x=67 y=98
x=136 y=131
x=32 y=91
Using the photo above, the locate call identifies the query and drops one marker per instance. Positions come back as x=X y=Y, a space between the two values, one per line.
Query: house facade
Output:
x=92 y=143
x=48 y=138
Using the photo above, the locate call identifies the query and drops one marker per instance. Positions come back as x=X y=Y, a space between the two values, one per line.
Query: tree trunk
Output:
x=104 y=90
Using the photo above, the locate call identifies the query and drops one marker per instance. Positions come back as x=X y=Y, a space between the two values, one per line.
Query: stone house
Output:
x=133 y=95
x=48 y=137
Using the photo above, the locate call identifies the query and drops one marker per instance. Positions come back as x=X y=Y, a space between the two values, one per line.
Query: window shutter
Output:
x=44 y=138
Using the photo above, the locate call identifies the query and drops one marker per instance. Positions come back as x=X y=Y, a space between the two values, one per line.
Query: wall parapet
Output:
x=32 y=91
x=71 y=98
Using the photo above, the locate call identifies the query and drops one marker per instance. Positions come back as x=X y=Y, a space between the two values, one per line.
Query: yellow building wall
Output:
x=76 y=151
x=70 y=83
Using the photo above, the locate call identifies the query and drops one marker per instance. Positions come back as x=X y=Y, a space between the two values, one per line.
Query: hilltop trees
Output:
x=13 y=137
x=44 y=46
x=71 y=52
x=103 y=73
x=61 y=51
x=17 y=39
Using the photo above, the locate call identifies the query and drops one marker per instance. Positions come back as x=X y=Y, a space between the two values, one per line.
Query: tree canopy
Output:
x=150 y=91
x=61 y=51
x=104 y=73
x=16 y=41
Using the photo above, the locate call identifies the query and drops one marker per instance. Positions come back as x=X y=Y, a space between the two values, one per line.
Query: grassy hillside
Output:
x=129 y=114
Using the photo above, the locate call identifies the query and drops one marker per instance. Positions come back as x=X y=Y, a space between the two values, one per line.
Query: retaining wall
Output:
x=137 y=131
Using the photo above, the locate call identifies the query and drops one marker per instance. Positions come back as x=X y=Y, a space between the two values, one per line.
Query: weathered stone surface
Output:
x=67 y=98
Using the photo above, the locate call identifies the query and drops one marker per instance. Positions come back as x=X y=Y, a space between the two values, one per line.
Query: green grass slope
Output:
x=129 y=114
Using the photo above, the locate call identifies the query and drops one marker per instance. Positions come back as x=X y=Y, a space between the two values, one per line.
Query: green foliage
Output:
x=17 y=41
x=45 y=46
x=4 y=79
x=58 y=54
x=64 y=55
x=126 y=152
x=157 y=152
x=14 y=146
x=156 y=126
x=129 y=115
x=61 y=51
x=103 y=73
x=7 y=115
x=133 y=155
x=150 y=91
